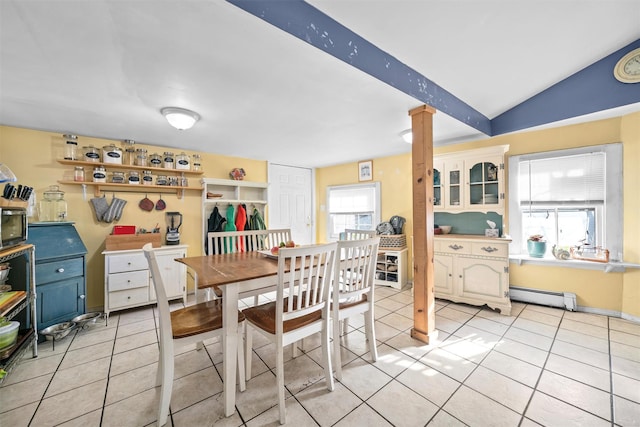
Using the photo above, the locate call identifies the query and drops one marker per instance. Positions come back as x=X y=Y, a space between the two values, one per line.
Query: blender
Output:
x=174 y=221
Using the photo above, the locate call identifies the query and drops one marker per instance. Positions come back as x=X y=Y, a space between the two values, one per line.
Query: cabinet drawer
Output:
x=130 y=280
x=126 y=262
x=498 y=250
x=128 y=297
x=54 y=271
x=455 y=247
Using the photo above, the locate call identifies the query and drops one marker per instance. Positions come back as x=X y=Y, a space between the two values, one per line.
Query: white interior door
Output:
x=290 y=199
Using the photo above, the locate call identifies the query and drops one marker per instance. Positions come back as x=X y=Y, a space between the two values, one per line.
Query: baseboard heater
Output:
x=566 y=300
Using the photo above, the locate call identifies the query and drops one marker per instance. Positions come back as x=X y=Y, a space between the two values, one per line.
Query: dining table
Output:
x=235 y=274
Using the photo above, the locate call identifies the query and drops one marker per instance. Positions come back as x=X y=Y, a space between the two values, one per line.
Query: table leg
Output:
x=230 y=344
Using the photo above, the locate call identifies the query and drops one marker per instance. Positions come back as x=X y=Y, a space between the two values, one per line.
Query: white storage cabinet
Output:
x=391 y=268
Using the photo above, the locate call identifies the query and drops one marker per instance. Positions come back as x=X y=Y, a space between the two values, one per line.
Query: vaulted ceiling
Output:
x=311 y=83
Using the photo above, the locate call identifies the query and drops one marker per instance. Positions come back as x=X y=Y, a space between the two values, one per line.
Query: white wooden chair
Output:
x=353 y=234
x=277 y=236
x=187 y=326
x=304 y=310
x=353 y=292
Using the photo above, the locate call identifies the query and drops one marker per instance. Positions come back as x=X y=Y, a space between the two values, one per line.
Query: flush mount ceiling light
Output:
x=407 y=136
x=180 y=118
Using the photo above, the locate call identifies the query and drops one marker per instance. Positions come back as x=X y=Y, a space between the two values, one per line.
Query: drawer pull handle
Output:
x=60 y=270
x=81 y=296
x=456 y=247
x=489 y=249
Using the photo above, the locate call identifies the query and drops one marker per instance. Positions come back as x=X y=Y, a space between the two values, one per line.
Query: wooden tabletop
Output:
x=222 y=269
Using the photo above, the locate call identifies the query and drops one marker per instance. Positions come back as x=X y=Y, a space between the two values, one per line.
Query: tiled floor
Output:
x=539 y=366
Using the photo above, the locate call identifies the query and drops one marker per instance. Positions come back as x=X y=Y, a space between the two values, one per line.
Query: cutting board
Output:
x=7 y=299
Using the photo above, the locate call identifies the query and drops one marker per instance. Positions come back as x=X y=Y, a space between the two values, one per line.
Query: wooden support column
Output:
x=423 y=274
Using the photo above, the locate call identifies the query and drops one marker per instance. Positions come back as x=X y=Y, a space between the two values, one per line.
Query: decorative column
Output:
x=423 y=270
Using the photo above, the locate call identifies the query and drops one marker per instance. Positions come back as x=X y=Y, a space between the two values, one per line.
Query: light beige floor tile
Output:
x=496 y=317
x=391 y=361
x=260 y=395
x=478 y=336
x=383 y=331
x=622 y=325
x=32 y=368
x=447 y=325
x=535 y=327
x=517 y=308
x=194 y=388
x=134 y=315
x=550 y=319
x=410 y=410
x=585 y=328
x=301 y=372
x=624 y=338
x=469 y=309
x=389 y=304
x=477 y=410
x=73 y=378
x=18 y=417
x=385 y=291
x=134 y=341
x=551 y=412
x=362 y=415
x=522 y=351
x=136 y=327
x=576 y=393
x=513 y=368
x=444 y=419
x=587 y=318
x=133 y=359
x=626 y=412
x=491 y=326
x=415 y=348
x=397 y=321
x=131 y=383
x=363 y=379
x=625 y=351
x=71 y=404
x=138 y=410
x=95 y=337
x=23 y=393
x=448 y=363
x=625 y=367
x=86 y=354
x=581 y=354
x=406 y=311
x=556 y=312
x=92 y=419
x=508 y=392
x=403 y=298
x=529 y=338
x=453 y=314
x=380 y=312
x=526 y=422
x=356 y=342
x=579 y=371
x=46 y=348
x=208 y=413
x=626 y=387
x=429 y=383
x=582 y=340
x=465 y=348
x=327 y=407
x=191 y=361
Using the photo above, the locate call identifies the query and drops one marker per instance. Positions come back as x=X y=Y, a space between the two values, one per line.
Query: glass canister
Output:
x=147 y=178
x=161 y=180
x=91 y=154
x=53 y=207
x=78 y=174
x=134 y=177
x=196 y=165
x=117 y=177
x=141 y=157
x=167 y=160
x=71 y=147
x=112 y=154
x=129 y=156
x=99 y=174
x=155 y=160
x=183 y=162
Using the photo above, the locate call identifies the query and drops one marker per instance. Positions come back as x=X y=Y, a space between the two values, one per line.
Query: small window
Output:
x=352 y=206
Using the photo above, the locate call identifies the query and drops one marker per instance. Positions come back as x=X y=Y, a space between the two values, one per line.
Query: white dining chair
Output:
x=353 y=292
x=301 y=308
x=353 y=234
x=186 y=326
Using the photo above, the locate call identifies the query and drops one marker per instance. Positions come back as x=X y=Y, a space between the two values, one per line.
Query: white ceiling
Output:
x=105 y=69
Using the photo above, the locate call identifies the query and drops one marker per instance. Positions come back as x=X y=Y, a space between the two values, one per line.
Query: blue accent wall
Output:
x=468 y=222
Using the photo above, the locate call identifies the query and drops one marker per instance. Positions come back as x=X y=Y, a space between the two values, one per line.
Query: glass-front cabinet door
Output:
x=438 y=185
x=454 y=184
x=484 y=180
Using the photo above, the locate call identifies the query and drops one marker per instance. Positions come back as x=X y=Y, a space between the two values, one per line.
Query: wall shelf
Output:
x=129 y=167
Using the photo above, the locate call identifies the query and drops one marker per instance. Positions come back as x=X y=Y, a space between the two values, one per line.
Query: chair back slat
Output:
x=164 y=314
x=353 y=234
x=277 y=236
x=354 y=275
x=221 y=242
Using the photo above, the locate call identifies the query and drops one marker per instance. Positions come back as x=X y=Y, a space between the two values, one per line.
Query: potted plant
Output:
x=537 y=246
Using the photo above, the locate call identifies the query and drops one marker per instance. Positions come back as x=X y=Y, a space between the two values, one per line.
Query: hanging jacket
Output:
x=241 y=220
x=229 y=225
x=214 y=223
x=257 y=223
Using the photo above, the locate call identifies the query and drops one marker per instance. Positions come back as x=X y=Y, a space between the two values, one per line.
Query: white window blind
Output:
x=566 y=180
x=352 y=200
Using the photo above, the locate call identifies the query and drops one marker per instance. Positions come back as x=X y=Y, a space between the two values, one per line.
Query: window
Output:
x=352 y=206
x=570 y=196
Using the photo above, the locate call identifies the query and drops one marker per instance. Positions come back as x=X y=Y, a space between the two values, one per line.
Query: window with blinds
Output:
x=352 y=206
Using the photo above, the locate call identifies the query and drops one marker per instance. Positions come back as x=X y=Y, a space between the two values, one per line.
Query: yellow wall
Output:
x=617 y=292
x=32 y=156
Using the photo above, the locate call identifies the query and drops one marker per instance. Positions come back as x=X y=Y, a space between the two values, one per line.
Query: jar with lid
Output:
x=78 y=174
x=91 y=154
x=196 y=165
x=183 y=162
x=173 y=181
x=147 y=178
x=155 y=160
x=99 y=174
x=53 y=207
x=161 y=180
x=141 y=157
x=167 y=160
x=134 y=177
x=117 y=177
x=129 y=156
x=71 y=147
x=112 y=154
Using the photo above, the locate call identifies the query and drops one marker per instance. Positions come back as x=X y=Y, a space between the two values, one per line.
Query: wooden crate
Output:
x=393 y=241
x=119 y=242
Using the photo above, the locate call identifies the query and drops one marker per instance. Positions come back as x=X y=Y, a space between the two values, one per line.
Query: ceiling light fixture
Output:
x=407 y=136
x=180 y=118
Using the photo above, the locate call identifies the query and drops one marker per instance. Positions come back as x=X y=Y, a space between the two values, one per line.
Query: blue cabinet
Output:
x=60 y=258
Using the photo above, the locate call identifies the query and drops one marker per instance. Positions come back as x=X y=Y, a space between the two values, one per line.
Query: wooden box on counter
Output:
x=119 y=242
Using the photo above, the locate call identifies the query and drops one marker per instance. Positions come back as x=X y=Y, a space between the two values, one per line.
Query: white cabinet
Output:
x=391 y=268
x=469 y=181
x=127 y=282
x=473 y=270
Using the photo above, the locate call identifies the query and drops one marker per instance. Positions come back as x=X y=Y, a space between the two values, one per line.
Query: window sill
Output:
x=607 y=267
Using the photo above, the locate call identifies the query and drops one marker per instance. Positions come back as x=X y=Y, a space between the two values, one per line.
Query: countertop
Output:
x=506 y=239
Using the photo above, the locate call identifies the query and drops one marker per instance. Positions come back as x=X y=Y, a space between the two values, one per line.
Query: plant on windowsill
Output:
x=536 y=246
